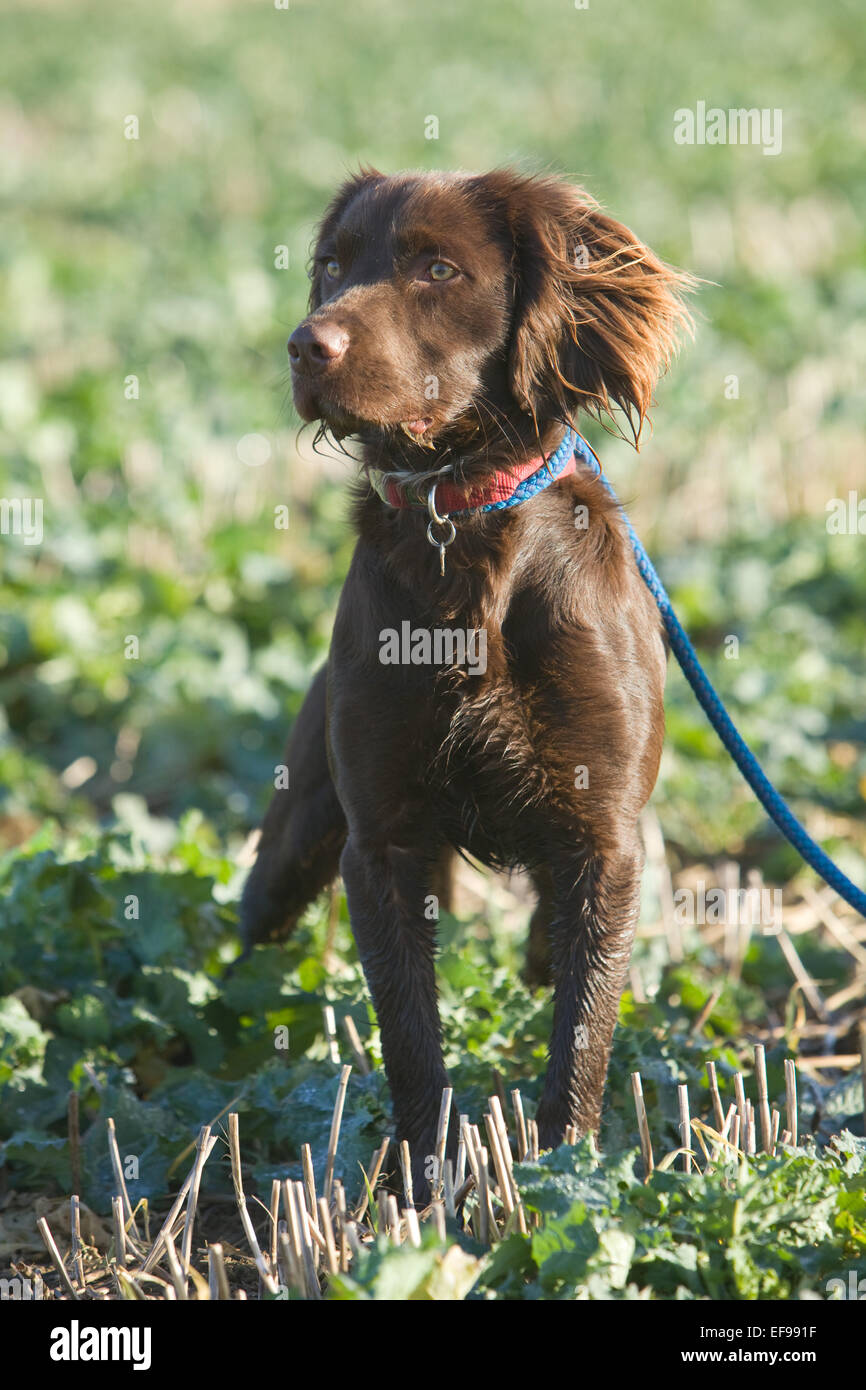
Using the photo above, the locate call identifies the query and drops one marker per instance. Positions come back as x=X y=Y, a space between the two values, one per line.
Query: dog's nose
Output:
x=314 y=346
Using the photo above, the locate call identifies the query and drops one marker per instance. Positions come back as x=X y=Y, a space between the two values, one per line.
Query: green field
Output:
x=157 y=641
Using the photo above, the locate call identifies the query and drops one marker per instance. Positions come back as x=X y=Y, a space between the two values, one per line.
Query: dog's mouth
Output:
x=342 y=420
x=386 y=430
x=420 y=430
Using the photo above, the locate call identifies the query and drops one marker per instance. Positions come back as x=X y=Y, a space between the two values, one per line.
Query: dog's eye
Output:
x=441 y=270
x=332 y=268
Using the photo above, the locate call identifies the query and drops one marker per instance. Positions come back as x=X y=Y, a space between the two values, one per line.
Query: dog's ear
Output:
x=597 y=315
x=346 y=193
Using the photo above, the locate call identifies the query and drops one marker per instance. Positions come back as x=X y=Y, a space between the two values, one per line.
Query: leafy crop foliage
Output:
x=131 y=1013
x=767 y=1229
x=129 y=780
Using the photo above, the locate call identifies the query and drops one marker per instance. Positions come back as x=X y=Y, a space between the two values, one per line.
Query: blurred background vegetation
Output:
x=157 y=258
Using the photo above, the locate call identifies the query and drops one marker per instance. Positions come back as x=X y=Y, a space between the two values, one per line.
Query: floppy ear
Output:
x=334 y=211
x=597 y=315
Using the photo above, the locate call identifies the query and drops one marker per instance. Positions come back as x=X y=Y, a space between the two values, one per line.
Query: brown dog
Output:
x=457 y=325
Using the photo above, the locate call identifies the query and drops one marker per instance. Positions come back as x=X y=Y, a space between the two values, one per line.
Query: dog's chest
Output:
x=498 y=759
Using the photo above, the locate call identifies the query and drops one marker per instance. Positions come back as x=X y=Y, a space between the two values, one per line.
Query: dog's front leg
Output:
x=303 y=832
x=596 y=905
x=388 y=890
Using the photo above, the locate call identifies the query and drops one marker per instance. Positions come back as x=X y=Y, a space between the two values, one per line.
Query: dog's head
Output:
x=461 y=311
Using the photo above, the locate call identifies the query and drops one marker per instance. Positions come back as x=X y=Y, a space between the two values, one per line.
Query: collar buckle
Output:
x=437 y=520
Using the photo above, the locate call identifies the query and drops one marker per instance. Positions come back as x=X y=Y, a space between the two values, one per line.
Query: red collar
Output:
x=504 y=489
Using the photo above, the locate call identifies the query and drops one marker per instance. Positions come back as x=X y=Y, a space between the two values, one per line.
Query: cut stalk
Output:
x=331 y=1259
x=718 y=1111
x=168 y=1224
x=488 y=1231
x=361 y=1059
x=685 y=1126
x=117 y=1169
x=275 y=1221
x=177 y=1275
x=442 y=1139
x=801 y=974
x=763 y=1098
x=75 y=1235
x=520 y=1122
x=532 y=1127
x=202 y=1150
x=646 y=1147
x=72 y=1126
x=448 y=1188
x=698 y=1026
x=119 y=1231
x=501 y=1128
x=291 y=1262
x=217 y=1276
x=336 y=1121
x=331 y=1034
x=499 y=1164
x=791 y=1100
x=413 y=1230
x=376 y=1163
x=307 y=1250
x=237 y=1180
x=294 y=1241
x=51 y=1247
x=438 y=1211
x=406 y=1165
x=309 y=1178
x=393 y=1217
x=742 y=1112
x=460 y=1174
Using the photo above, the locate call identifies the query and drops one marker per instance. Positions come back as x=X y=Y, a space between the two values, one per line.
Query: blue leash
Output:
x=776 y=808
